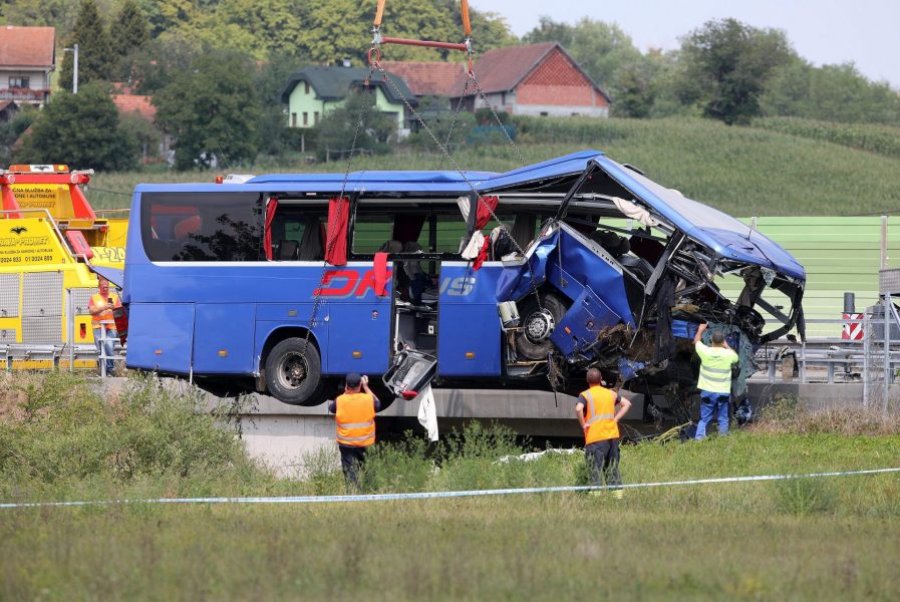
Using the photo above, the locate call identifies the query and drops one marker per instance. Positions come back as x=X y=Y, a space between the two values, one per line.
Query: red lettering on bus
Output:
x=368 y=283
x=329 y=289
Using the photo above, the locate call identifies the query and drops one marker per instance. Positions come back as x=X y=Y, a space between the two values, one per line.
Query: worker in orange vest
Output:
x=101 y=306
x=599 y=410
x=355 y=419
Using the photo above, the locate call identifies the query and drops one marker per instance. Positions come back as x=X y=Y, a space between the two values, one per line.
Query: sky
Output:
x=824 y=32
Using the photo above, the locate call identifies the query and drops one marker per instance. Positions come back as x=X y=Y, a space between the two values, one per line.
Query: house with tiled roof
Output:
x=27 y=58
x=427 y=78
x=537 y=79
x=313 y=92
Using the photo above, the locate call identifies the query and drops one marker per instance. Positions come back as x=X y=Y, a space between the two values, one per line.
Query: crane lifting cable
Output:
x=478 y=203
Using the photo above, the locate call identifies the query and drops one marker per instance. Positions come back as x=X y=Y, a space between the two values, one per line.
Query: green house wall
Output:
x=304 y=99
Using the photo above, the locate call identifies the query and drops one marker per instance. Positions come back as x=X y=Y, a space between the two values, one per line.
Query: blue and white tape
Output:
x=430 y=495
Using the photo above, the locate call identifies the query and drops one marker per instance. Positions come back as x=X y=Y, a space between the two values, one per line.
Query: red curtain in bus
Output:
x=382 y=273
x=336 y=240
x=486 y=206
x=271 y=207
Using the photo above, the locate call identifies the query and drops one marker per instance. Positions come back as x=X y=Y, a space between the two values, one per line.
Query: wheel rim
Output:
x=539 y=325
x=293 y=370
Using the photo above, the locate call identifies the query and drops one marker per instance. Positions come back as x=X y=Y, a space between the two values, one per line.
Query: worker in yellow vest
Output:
x=355 y=419
x=101 y=306
x=714 y=381
x=599 y=410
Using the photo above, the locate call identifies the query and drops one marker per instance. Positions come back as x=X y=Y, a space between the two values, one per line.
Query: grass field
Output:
x=779 y=168
x=826 y=539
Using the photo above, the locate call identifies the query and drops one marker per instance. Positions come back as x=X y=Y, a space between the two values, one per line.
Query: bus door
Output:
x=356 y=297
x=469 y=336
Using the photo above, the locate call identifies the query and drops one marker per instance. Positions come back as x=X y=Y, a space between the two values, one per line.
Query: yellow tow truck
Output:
x=51 y=243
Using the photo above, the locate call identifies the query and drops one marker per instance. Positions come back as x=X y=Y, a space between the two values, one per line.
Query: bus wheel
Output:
x=538 y=322
x=294 y=372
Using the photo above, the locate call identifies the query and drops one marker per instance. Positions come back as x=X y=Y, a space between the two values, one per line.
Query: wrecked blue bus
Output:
x=286 y=282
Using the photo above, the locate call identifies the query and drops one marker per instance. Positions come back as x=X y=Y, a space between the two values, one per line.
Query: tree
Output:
x=635 y=90
x=60 y=14
x=211 y=109
x=12 y=130
x=357 y=117
x=127 y=34
x=81 y=130
x=261 y=28
x=156 y=63
x=341 y=29
x=95 y=61
x=829 y=93
x=549 y=30
x=727 y=65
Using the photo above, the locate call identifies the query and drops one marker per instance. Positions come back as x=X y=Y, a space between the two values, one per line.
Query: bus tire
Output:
x=294 y=372
x=537 y=322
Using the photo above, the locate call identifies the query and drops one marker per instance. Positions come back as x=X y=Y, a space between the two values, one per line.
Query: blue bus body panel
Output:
x=572 y=264
x=359 y=335
x=159 y=337
x=580 y=328
x=468 y=321
x=223 y=338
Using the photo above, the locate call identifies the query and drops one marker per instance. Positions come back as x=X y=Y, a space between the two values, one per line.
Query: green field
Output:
x=825 y=539
x=745 y=171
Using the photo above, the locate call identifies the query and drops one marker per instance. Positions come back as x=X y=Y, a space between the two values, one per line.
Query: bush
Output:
x=402 y=466
x=786 y=415
x=56 y=429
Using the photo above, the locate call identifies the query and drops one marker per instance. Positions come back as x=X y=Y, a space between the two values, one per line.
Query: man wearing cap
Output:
x=714 y=381
x=355 y=418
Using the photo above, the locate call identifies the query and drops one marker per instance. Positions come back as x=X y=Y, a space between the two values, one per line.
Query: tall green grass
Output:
x=823 y=539
x=744 y=171
x=879 y=139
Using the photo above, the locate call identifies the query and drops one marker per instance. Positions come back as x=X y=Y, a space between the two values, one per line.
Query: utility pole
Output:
x=74 y=51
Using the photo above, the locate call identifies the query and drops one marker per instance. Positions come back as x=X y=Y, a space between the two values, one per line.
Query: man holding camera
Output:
x=714 y=381
x=355 y=419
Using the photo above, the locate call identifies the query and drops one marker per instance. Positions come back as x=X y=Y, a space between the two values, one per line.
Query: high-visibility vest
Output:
x=355 y=418
x=715 y=368
x=599 y=413
x=106 y=315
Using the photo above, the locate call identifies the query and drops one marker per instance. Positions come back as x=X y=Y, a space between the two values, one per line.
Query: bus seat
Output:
x=640 y=266
x=392 y=247
x=288 y=250
x=187 y=227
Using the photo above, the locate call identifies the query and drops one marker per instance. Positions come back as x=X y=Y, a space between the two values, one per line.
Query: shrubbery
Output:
x=55 y=429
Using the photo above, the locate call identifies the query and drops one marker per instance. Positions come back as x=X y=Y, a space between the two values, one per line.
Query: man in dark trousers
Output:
x=599 y=410
x=714 y=381
x=355 y=419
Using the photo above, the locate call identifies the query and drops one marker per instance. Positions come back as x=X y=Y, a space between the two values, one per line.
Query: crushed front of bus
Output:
x=626 y=272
